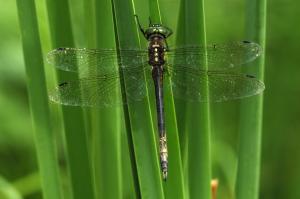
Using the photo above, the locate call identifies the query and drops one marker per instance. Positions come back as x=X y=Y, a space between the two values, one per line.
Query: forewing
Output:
x=218 y=56
x=96 y=61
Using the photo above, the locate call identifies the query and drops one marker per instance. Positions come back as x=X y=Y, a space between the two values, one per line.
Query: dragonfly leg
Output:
x=150 y=22
x=167 y=47
x=139 y=24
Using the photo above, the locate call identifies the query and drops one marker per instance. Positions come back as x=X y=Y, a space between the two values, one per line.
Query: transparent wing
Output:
x=96 y=61
x=190 y=84
x=100 y=85
x=219 y=56
x=101 y=91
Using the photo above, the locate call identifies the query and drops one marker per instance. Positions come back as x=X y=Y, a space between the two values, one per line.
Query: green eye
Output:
x=157 y=29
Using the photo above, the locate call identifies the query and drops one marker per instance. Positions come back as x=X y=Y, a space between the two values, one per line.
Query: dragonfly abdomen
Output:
x=156 y=52
x=157 y=75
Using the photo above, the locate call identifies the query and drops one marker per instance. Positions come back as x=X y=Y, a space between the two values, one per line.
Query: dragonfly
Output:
x=193 y=73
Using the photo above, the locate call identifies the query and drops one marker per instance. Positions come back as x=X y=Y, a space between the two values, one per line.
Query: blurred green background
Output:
x=280 y=165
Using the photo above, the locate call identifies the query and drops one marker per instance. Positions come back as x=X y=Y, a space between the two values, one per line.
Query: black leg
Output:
x=150 y=22
x=138 y=22
x=167 y=47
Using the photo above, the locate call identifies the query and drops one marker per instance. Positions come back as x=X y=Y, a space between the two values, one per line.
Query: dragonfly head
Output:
x=157 y=29
x=154 y=29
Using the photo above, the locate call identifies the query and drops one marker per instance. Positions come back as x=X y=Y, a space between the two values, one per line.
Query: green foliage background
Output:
x=225 y=21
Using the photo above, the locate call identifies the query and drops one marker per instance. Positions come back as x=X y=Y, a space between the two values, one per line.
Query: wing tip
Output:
x=256 y=49
x=50 y=58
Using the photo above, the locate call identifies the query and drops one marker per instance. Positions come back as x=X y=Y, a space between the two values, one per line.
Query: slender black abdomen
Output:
x=156 y=60
x=157 y=75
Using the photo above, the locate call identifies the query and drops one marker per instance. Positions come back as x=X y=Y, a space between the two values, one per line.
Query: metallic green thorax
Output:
x=155 y=29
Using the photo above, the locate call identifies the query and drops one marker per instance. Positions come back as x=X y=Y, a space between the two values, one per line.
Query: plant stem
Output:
x=38 y=98
x=174 y=185
x=107 y=122
x=191 y=31
x=138 y=118
x=247 y=184
x=29 y=184
x=76 y=138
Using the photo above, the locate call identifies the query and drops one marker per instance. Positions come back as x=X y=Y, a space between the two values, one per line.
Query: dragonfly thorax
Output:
x=156 y=50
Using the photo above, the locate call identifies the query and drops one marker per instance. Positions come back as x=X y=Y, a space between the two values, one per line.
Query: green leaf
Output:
x=8 y=191
x=38 y=98
x=174 y=185
x=247 y=183
x=75 y=134
x=29 y=184
x=107 y=123
x=195 y=140
x=138 y=117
